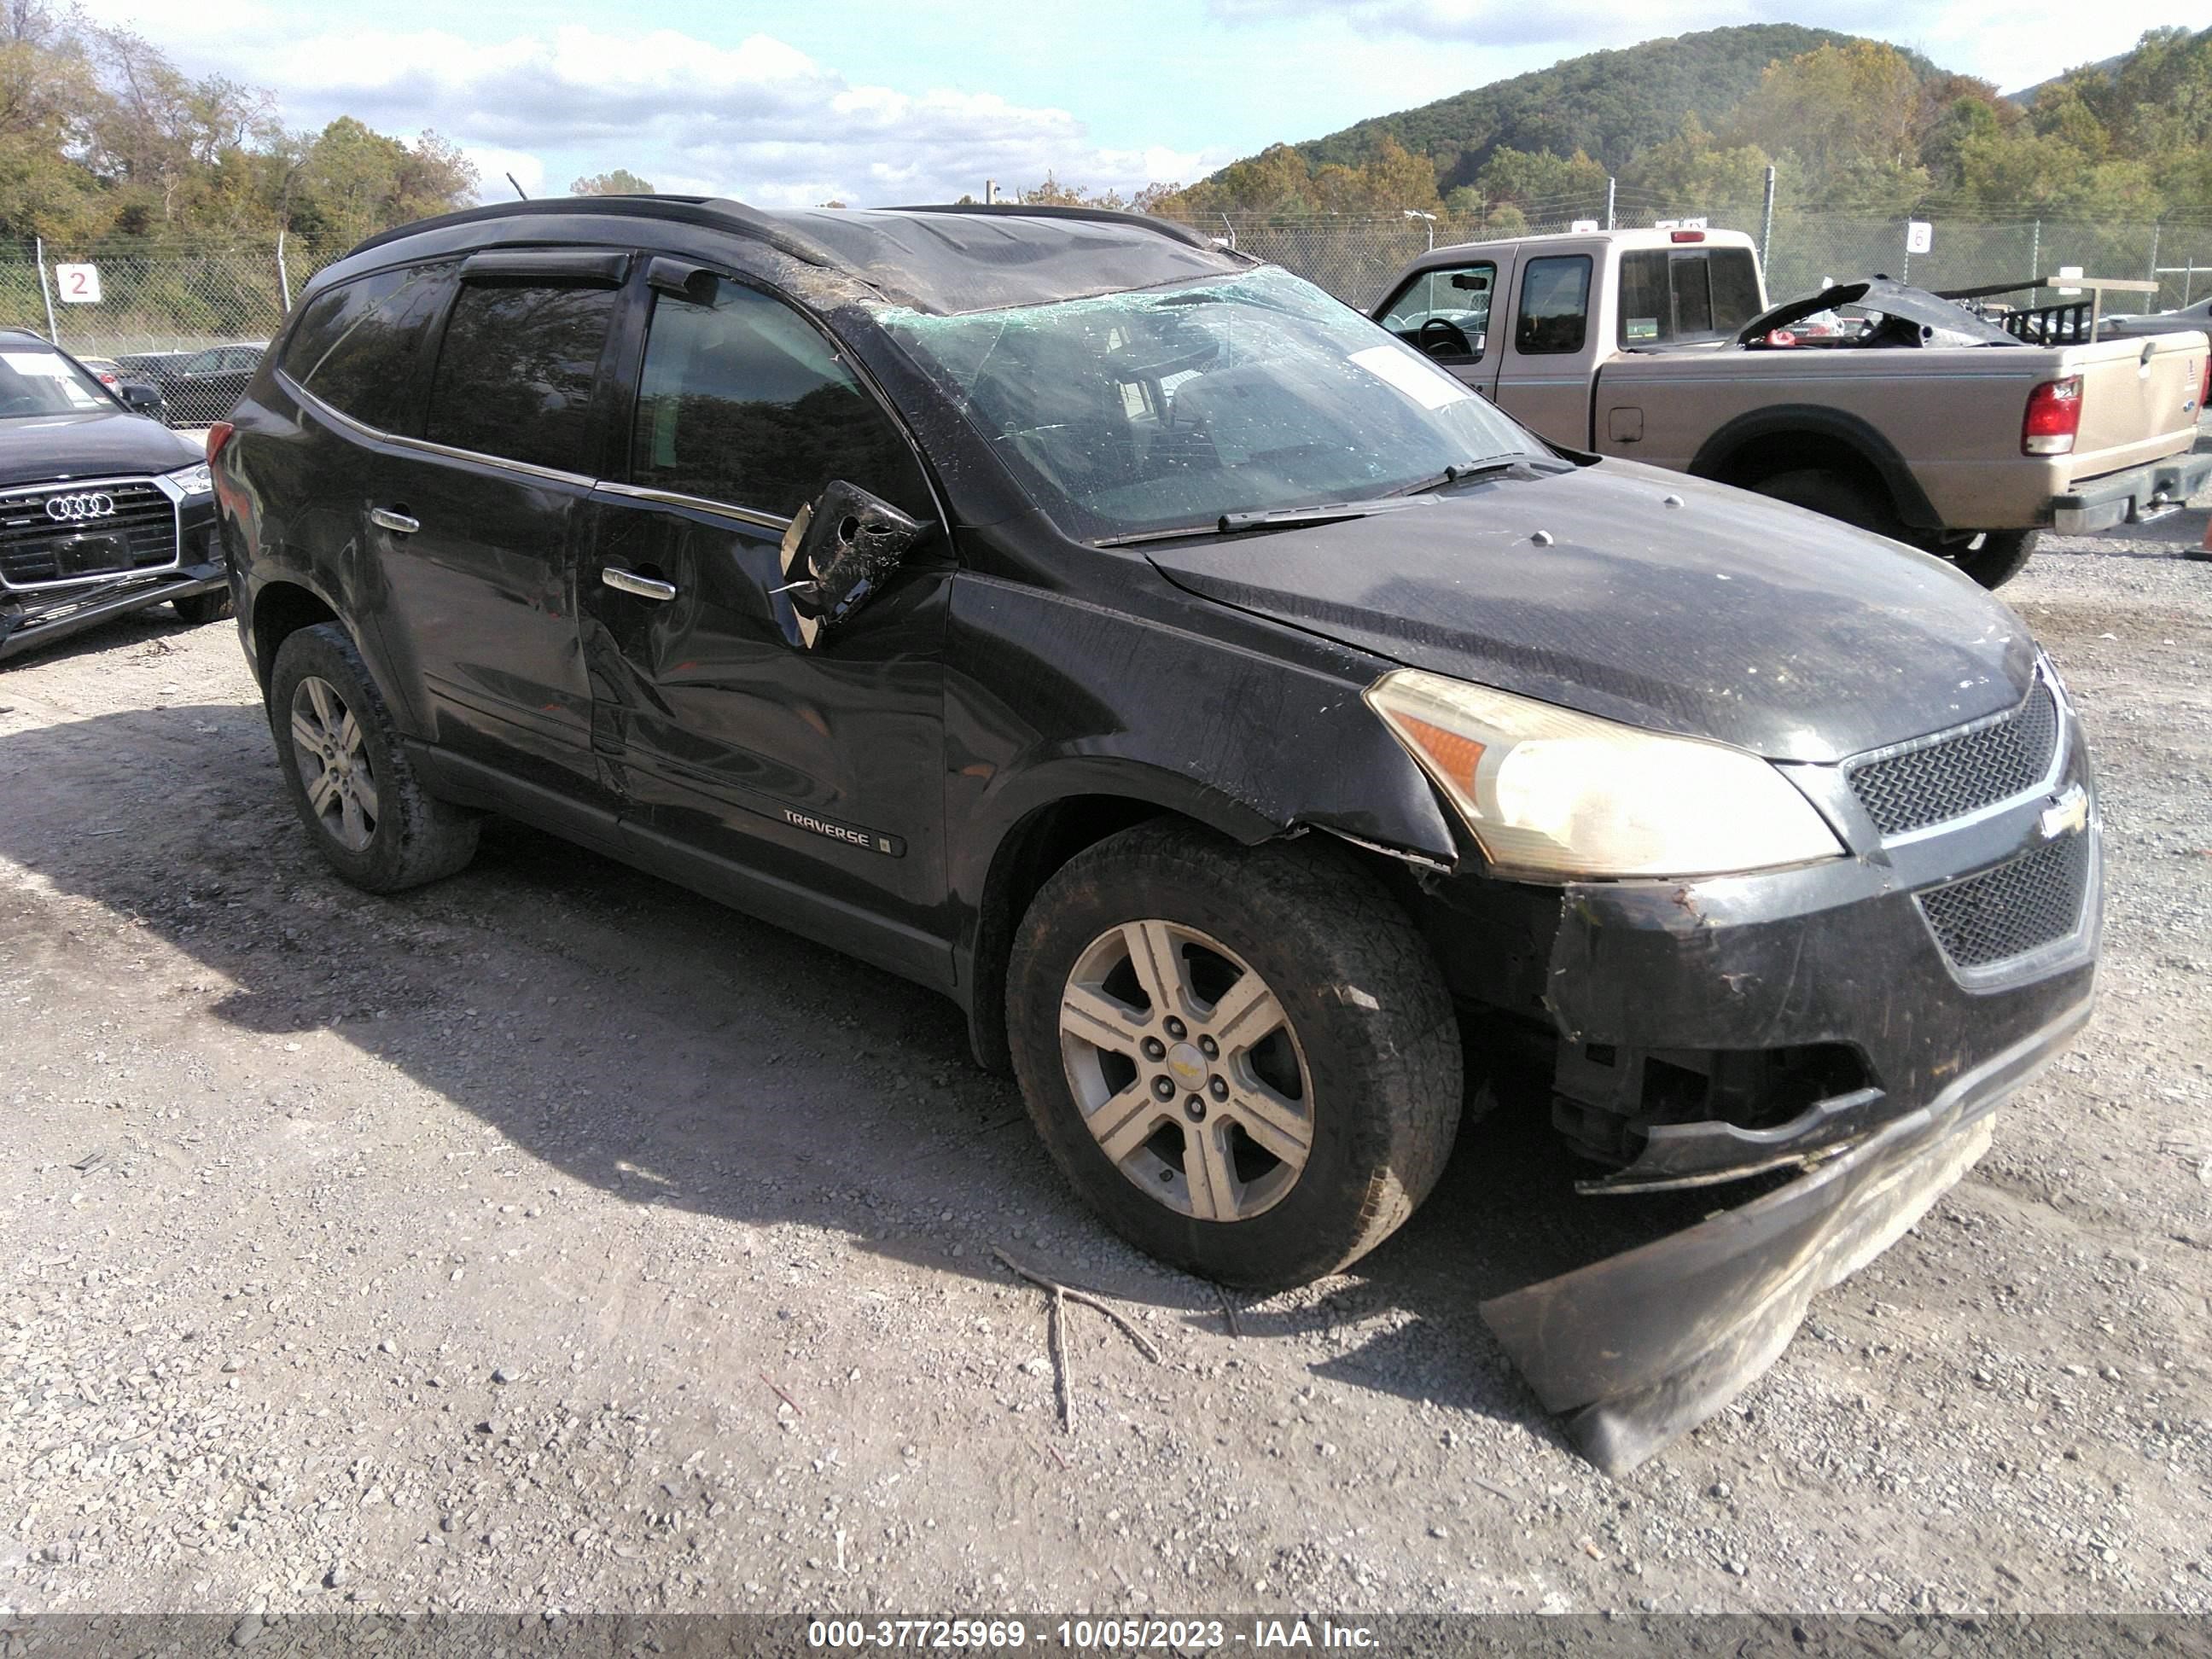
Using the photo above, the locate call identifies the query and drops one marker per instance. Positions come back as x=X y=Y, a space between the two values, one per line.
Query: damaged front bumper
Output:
x=1909 y=988
x=1640 y=1348
x=42 y=619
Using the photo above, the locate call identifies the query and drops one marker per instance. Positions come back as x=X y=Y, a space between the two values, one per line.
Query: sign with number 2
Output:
x=79 y=284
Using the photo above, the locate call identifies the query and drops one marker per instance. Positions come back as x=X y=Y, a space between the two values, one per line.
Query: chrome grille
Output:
x=1950 y=778
x=2013 y=909
x=36 y=551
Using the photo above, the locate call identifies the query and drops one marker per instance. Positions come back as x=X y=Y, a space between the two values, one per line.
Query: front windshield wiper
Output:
x=1277 y=518
x=1523 y=466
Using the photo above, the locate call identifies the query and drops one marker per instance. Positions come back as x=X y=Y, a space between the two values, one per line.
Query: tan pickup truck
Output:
x=1876 y=403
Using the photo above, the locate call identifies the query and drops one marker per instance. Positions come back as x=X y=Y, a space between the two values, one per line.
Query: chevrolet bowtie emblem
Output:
x=2067 y=813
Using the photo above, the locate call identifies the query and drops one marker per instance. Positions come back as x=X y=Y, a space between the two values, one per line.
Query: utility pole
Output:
x=1765 y=223
x=990 y=191
x=1610 y=181
x=45 y=292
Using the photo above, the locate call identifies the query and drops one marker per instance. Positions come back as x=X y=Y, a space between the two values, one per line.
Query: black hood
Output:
x=102 y=444
x=1729 y=617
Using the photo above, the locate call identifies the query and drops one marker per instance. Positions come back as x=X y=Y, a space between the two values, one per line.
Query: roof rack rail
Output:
x=720 y=212
x=1168 y=227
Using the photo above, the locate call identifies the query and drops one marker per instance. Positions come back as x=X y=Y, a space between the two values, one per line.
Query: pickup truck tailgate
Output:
x=2140 y=400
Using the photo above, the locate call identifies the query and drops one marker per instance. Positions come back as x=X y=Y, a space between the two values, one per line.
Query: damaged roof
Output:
x=946 y=260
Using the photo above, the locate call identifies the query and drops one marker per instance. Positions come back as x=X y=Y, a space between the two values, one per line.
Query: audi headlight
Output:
x=1554 y=794
x=193 y=480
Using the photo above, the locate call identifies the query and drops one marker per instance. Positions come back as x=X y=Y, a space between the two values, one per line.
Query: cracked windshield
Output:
x=1170 y=407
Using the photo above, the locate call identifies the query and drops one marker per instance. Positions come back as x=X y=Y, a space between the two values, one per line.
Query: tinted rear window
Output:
x=358 y=347
x=515 y=373
x=1702 y=293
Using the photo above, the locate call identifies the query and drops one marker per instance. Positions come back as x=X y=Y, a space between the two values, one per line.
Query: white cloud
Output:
x=494 y=165
x=760 y=119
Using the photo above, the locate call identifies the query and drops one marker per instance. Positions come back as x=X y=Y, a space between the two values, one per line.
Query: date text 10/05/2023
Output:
x=1088 y=1634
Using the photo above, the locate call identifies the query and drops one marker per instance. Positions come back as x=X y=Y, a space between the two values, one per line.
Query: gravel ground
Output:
x=547 y=1238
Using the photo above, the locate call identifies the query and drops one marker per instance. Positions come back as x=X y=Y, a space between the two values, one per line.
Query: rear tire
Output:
x=367 y=812
x=201 y=608
x=2002 y=555
x=1834 y=496
x=1300 y=1099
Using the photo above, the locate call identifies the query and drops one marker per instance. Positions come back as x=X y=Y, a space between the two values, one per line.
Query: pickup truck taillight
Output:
x=2054 y=416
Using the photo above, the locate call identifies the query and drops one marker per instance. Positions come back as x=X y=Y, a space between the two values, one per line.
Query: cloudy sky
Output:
x=871 y=104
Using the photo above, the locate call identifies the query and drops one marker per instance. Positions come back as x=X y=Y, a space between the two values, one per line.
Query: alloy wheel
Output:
x=1187 y=1071
x=334 y=764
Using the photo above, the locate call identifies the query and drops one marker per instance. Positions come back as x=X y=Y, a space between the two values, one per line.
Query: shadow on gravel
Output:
x=134 y=632
x=673 y=1052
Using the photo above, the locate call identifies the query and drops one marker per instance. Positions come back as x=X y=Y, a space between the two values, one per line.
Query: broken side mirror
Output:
x=837 y=553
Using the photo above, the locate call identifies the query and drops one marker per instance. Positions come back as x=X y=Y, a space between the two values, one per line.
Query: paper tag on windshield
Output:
x=1432 y=388
x=37 y=362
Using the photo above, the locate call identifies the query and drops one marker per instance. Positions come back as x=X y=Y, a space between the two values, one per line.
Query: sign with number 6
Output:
x=79 y=284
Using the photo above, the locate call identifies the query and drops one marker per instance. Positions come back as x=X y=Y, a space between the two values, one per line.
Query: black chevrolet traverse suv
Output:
x=1251 y=729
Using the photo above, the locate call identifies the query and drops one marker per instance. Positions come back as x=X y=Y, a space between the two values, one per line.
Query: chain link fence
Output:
x=1355 y=258
x=188 y=321
x=173 y=316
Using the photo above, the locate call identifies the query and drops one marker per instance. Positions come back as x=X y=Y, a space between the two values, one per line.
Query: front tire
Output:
x=366 y=810
x=1244 y=1058
x=198 y=609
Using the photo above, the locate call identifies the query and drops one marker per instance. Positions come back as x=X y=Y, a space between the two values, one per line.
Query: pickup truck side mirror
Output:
x=138 y=397
x=837 y=553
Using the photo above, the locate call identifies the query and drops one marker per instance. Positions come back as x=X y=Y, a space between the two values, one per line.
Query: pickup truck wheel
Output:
x=1834 y=496
x=1997 y=555
x=1245 y=1059
x=349 y=779
x=199 y=608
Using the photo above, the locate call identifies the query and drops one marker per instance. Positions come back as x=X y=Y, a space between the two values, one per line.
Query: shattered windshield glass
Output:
x=1172 y=406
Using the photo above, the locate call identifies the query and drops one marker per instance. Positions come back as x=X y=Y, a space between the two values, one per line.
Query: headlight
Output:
x=1552 y=793
x=193 y=480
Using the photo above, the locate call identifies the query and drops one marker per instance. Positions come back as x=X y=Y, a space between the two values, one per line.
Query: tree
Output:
x=1524 y=179
x=1053 y=193
x=1694 y=172
x=620 y=182
x=1849 y=116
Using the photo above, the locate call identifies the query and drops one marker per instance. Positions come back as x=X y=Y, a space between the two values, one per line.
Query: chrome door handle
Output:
x=398 y=523
x=629 y=581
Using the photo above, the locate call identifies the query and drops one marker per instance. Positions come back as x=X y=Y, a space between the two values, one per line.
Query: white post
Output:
x=283 y=276
x=1610 y=181
x=1765 y=223
x=46 y=290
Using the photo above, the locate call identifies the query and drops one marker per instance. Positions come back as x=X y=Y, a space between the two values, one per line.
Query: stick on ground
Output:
x=1144 y=1343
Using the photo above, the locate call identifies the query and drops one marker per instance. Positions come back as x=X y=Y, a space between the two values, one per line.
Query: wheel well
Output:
x=282 y=610
x=1027 y=858
x=1775 y=453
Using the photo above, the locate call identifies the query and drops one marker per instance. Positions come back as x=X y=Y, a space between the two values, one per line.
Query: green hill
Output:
x=1614 y=105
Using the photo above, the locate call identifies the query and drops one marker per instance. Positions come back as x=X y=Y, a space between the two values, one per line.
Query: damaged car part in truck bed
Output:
x=1248 y=725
